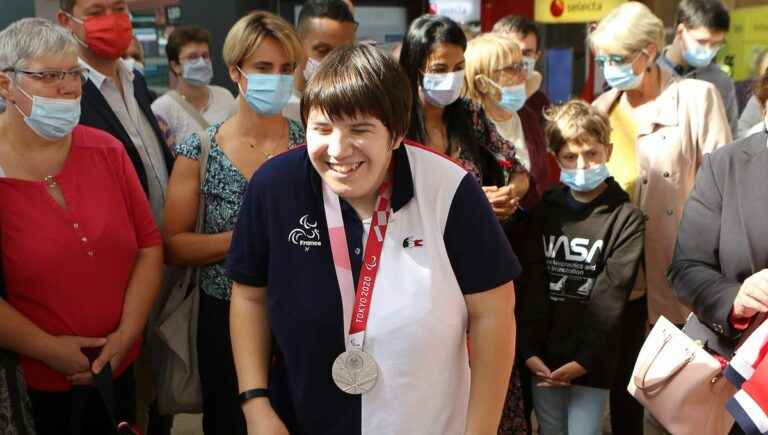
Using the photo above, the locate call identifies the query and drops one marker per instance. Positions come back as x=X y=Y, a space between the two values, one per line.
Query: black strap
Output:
x=253 y=393
x=105 y=386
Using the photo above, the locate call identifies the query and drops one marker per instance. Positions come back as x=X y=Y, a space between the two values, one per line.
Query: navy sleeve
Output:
x=477 y=247
x=249 y=252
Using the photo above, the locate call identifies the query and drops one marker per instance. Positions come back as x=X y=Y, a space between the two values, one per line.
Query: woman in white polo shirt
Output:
x=316 y=356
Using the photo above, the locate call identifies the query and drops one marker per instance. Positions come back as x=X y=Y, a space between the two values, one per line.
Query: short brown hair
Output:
x=576 y=121
x=182 y=36
x=517 y=24
x=358 y=80
x=248 y=33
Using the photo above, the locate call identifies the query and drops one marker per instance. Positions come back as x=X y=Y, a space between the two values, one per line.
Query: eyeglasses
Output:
x=513 y=68
x=615 y=59
x=51 y=77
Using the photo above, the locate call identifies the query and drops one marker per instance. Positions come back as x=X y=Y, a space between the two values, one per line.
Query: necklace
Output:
x=267 y=155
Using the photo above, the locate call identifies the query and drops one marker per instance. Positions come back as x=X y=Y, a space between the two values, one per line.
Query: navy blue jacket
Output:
x=96 y=112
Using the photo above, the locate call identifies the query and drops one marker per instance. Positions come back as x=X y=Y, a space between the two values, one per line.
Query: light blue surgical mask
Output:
x=697 y=55
x=198 y=72
x=442 y=89
x=530 y=64
x=268 y=94
x=134 y=65
x=621 y=77
x=51 y=118
x=512 y=97
x=584 y=180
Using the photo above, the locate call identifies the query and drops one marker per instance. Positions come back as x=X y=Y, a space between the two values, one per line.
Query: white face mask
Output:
x=310 y=68
x=442 y=89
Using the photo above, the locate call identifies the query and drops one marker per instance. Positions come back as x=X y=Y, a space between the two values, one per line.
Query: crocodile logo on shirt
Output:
x=307 y=235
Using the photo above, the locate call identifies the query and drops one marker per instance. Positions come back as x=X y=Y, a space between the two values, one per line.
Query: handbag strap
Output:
x=191 y=111
x=205 y=150
x=105 y=386
x=640 y=378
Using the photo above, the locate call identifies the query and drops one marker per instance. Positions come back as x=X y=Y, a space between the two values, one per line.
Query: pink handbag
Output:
x=681 y=384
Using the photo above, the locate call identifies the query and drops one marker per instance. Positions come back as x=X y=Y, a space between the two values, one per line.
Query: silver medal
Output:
x=355 y=372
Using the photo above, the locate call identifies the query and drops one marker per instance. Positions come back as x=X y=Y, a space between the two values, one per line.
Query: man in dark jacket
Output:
x=115 y=99
x=592 y=239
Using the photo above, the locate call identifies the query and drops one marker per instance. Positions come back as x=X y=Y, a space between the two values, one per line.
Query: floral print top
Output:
x=223 y=189
x=492 y=140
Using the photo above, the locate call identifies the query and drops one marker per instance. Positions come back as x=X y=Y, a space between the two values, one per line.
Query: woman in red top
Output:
x=80 y=251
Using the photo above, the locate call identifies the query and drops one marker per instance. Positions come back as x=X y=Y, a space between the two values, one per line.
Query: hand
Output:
x=753 y=296
x=67 y=356
x=568 y=372
x=261 y=418
x=537 y=367
x=542 y=373
x=502 y=200
x=113 y=352
x=519 y=184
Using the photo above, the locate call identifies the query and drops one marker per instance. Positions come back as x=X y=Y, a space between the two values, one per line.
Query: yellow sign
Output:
x=573 y=11
x=746 y=40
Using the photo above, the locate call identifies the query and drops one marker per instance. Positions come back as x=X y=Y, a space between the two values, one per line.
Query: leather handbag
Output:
x=174 y=356
x=681 y=384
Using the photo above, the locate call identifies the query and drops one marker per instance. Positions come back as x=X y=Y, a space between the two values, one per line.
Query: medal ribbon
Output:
x=356 y=313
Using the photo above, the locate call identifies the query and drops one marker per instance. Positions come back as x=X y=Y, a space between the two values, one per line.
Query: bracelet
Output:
x=252 y=394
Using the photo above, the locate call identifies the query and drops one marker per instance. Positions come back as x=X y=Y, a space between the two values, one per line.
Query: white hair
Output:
x=32 y=38
x=627 y=29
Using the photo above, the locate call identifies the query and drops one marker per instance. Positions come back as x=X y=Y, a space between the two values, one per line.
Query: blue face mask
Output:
x=512 y=97
x=268 y=94
x=198 y=72
x=584 y=180
x=697 y=55
x=51 y=118
x=621 y=77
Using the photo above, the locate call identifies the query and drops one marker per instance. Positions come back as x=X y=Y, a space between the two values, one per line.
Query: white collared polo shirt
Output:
x=443 y=242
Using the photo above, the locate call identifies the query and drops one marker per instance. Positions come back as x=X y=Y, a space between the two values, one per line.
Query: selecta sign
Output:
x=573 y=11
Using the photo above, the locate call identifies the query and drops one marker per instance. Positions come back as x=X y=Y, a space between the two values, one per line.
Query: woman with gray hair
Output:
x=81 y=254
x=661 y=128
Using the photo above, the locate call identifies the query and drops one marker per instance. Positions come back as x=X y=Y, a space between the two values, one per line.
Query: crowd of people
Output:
x=518 y=250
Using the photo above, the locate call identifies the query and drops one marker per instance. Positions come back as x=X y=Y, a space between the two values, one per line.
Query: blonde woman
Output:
x=662 y=126
x=261 y=52
x=498 y=80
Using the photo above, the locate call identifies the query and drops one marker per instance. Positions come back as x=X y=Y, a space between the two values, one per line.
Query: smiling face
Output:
x=351 y=154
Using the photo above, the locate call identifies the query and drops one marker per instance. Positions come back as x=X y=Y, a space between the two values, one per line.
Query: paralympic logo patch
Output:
x=307 y=236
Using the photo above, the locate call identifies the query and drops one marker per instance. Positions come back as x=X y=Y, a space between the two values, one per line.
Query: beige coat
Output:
x=688 y=120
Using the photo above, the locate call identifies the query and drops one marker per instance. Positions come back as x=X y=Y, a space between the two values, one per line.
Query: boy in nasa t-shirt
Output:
x=592 y=240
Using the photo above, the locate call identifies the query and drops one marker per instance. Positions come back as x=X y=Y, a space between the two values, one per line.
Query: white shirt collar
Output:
x=98 y=78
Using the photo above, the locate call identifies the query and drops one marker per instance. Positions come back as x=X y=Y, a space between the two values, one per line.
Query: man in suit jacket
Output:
x=719 y=265
x=115 y=98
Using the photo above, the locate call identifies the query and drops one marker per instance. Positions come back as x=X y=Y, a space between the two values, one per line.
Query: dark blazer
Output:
x=95 y=112
x=723 y=235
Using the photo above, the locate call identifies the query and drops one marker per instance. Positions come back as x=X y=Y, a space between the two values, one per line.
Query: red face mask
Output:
x=108 y=36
